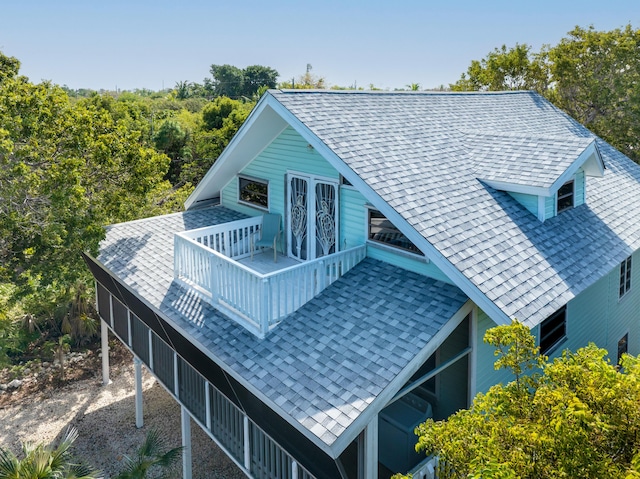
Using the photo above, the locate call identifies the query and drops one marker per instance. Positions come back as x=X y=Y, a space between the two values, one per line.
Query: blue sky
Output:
x=151 y=44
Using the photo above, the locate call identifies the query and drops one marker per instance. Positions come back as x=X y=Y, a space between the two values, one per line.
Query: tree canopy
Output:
x=593 y=76
x=575 y=416
x=236 y=83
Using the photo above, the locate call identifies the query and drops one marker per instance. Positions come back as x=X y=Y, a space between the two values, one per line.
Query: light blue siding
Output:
x=549 y=207
x=486 y=375
x=353 y=211
x=530 y=202
x=290 y=152
x=598 y=315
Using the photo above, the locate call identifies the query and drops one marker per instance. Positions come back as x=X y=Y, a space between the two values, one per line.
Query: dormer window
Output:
x=565 y=197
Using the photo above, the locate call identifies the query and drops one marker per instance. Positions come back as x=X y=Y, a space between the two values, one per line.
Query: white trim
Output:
x=517 y=188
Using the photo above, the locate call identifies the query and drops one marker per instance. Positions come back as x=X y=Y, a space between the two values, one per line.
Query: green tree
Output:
x=9 y=67
x=577 y=416
x=153 y=455
x=596 y=80
x=593 y=76
x=256 y=77
x=515 y=68
x=46 y=461
x=172 y=140
x=228 y=81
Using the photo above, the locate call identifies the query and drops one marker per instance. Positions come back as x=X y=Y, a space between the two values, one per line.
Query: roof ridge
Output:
x=400 y=92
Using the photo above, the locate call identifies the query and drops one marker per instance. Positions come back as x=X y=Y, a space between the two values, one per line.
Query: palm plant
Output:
x=46 y=461
x=153 y=454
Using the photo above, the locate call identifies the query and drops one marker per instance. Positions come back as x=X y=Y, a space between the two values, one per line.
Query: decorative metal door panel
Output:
x=298 y=217
x=325 y=219
x=312 y=206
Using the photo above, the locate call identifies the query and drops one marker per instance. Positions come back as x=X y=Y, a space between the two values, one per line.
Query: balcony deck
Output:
x=258 y=293
x=263 y=262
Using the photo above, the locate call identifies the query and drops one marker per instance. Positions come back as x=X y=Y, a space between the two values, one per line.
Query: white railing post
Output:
x=265 y=313
x=213 y=279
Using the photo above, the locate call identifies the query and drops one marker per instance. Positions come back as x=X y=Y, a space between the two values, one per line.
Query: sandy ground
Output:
x=105 y=419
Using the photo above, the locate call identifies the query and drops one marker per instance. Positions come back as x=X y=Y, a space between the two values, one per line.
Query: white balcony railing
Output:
x=207 y=259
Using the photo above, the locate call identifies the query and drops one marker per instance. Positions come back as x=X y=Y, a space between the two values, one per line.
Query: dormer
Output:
x=545 y=175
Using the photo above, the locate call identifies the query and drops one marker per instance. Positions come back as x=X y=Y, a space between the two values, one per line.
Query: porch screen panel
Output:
x=121 y=320
x=140 y=338
x=268 y=459
x=227 y=423
x=163 y=362
x=103 y=303
x=191 y=390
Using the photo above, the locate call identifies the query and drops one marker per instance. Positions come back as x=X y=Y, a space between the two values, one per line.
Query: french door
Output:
x=312 y=208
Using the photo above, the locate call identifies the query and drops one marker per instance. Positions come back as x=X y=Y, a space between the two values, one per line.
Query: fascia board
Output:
x=221 y=173
x=432 y=253
x=587 y=154
x=515 y=188
x=399 y=381
x=220 y=362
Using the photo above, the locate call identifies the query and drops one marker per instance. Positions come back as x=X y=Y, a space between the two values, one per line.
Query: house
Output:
x=411 y=223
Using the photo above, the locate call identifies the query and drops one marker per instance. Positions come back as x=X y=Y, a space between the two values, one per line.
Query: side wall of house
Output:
x=597 y=315
x=600 y=316
x=290 y=152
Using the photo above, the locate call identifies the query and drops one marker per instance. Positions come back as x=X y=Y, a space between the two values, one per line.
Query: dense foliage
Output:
x=593 y=76
x=575 y=416
x=72 y=162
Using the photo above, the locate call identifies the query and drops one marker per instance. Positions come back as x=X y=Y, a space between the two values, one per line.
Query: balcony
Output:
x=216 y=262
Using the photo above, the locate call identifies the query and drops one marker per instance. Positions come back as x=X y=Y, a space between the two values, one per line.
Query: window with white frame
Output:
x=381 y=230
x=253 y=192
x=553 y=330
x=565 y=197
x=625 y=276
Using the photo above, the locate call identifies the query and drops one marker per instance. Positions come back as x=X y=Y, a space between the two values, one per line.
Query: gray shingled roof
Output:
x=522 y=160
x=411 y=149
x=327 y=362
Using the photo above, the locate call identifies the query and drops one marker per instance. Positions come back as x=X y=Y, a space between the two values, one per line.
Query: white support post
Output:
x=186 y=443
x=247 y=444
x=294 y=470
x=371 y=449
x=137 y=368
x=104 y=350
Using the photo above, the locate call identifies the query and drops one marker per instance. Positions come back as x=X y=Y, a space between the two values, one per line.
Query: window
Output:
x=254 y=192
x=623 y=346
x=625 y=276
x=553 y=330
x=344 y=181
x=565 y=196
x=381 y=230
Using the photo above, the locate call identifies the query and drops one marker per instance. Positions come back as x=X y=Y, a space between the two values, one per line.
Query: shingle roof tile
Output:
x=450 y=142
